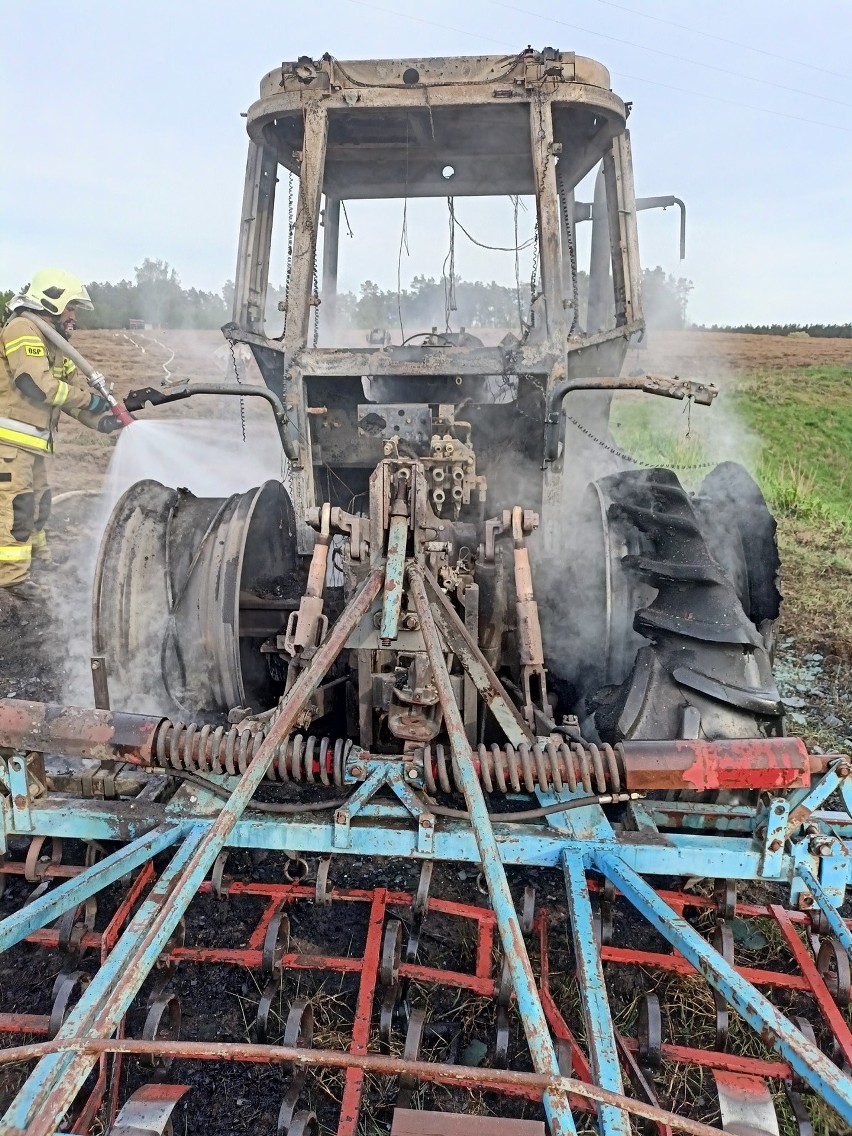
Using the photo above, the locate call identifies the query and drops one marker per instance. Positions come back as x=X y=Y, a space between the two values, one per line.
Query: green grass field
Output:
x=793 y=431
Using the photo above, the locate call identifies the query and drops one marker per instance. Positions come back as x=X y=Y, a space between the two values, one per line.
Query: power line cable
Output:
x=724 y=39
x=730 y=102
x=670 y=54
x=637 y=78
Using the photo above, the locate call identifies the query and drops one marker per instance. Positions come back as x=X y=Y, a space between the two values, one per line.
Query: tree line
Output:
x=429 y=302
x=815 y=330
x=157 y=296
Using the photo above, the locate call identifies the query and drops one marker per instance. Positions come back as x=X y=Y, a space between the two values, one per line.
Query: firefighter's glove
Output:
x=97 y=404
x=108 y=424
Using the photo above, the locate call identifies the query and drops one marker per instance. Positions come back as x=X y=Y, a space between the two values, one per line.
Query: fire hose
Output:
x=93 y=377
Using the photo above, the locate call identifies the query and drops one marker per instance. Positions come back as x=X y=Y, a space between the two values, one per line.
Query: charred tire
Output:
x=186 y=591
x=705 y=669
x=663 y=625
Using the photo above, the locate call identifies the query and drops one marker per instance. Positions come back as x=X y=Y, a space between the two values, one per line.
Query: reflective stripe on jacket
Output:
x=15 y=552
x=24 y=436
x=36 y=382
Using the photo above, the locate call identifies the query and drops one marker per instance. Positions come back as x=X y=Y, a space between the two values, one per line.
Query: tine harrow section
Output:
x=370 y=971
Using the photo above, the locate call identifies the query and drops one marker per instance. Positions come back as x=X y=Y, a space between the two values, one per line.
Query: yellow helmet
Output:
x=53 y=289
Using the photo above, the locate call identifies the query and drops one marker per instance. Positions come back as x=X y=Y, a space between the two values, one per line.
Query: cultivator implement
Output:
x=446 y=777
x=387 y=986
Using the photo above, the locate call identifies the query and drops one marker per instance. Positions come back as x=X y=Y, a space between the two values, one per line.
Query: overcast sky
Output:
x=123 y=139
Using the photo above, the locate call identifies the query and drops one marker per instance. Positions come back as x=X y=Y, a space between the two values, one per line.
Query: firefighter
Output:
x=36 y=383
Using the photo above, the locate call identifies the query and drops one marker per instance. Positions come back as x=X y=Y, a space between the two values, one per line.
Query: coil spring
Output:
x=595 y=769
x=321 y=761
x=207 y=749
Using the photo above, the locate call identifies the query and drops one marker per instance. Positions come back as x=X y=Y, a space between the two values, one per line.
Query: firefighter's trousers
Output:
x=24 y=509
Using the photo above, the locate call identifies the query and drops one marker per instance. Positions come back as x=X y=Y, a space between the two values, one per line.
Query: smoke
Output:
x=587 y=599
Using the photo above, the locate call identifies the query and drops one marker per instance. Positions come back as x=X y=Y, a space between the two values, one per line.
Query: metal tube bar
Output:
x=665 y=203
x=46 y=1096
x=71 y=892
x=606 y=1070
x=600 y=314
x=824 y=1077
x=508 y=926
x=838 y=925
x=394 y=577
x=372 y=1063
x=330 y=253
x=252 y=272
x=531 y=845
x=240 y=390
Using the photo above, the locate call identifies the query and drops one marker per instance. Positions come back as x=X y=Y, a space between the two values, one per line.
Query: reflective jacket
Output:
x=36 y=382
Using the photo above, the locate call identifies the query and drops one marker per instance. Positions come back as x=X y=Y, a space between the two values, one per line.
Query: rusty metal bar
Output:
x=547 y=206
x=300 y=301
x=252 y=274
x=372 y=1063
x=684 y=764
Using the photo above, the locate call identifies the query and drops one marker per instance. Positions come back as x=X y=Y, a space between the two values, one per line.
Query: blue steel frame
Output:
x=657 y=839
x=374 y=828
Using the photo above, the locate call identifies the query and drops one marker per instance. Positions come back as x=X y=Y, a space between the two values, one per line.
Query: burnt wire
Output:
x=349 y=232
x=450 y=278
x=515 y=248
x=543 y=811
x=533 y=289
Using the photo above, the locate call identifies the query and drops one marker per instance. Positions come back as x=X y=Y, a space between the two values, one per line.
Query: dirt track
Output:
x=701 y=353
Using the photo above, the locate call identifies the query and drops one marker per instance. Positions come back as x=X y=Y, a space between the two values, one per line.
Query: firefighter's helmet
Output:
x=53 y=289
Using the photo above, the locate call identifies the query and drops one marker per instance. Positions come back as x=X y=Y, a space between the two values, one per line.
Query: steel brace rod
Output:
x=833 y=917
x=508 y=925
x=824 y=1077
x=48 y=1093
x=606 y=1069
x=89 y=882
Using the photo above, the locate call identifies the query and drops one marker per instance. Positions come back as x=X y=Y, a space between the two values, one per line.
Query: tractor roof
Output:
x=439 y=127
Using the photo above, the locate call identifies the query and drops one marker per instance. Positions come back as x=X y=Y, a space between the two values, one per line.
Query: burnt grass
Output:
x=219 y=1002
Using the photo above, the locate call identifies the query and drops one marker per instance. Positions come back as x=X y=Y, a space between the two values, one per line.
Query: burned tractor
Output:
x=465 y=628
